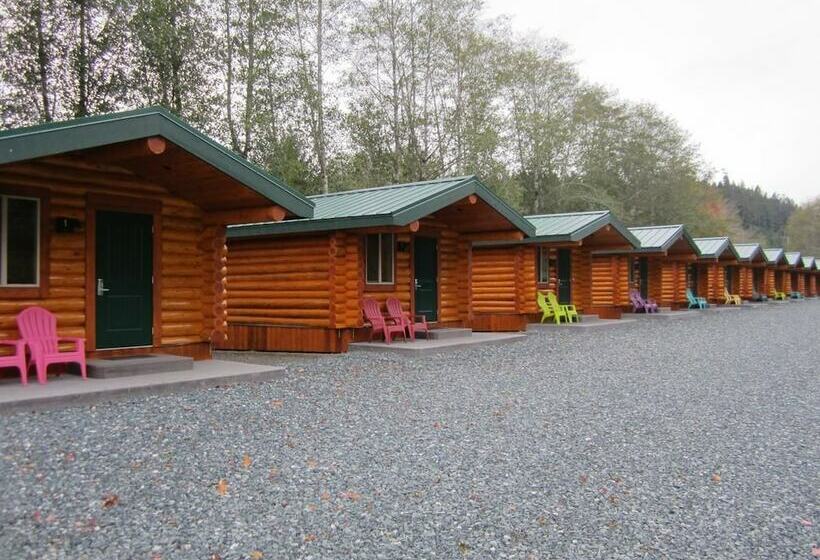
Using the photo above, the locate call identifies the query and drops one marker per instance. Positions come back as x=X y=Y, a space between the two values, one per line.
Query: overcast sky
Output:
x=743 y=77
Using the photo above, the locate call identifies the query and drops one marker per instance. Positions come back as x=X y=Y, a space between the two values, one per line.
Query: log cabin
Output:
x=751 y=269
x=715 y=270
x=810 y=276
x=297 y=285
x=795 y=278
x=116 y=224
x=559 y=257
x=658 y=267
x=776 y=271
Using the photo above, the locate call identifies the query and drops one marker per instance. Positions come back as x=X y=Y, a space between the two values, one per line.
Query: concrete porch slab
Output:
x=141 y=364
x=426 y=347
x=442 y=334
x=585 y=324
x=713 y=307
x=72 y=390
x=663 y=315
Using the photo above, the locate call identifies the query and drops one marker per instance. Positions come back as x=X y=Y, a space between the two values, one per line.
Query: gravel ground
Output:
x=696 y=438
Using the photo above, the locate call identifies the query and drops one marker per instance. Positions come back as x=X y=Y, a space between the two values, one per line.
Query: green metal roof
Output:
x=714 y=247
x=661 y=238
x=809 y=263
x=392 y=205
x=793 y=258
x=21 y=144
x=773 y=255
x=747 y=251
x=574 y=226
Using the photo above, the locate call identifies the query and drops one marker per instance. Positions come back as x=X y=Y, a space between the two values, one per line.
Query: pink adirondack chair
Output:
x=18 y=359
x=410 y=324
x=379 y=323
x=38 y=328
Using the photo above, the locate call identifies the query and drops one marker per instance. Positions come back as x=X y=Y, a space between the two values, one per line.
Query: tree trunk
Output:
x=251 y=78
x=320 y=102
x=229 y=78
x=82 y=63
x=43 y=62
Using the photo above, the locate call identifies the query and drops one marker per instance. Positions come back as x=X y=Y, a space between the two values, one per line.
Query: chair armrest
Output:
x=421 y=317
x=20 y=343
x=79 y=342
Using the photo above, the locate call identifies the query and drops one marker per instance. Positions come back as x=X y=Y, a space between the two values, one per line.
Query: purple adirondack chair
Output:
x=642 y=305
x=18 y=359
x=38 y=329
x=379 y=323
x=410 y=324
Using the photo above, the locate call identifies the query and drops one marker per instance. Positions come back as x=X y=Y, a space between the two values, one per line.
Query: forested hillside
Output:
x=333 y=94
x=762 y=214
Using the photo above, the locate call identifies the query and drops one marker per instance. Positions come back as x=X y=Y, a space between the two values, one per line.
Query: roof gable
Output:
x=809 y=263
x=774 y=255
x=391 y=205
x=793 y=258
x=714 y=247
x=748 y=251
x=93 y=132
x=661 y=238
x=575 y=226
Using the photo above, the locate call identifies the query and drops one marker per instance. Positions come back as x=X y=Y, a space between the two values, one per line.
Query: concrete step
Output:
x=444 y=334
x=124 y=366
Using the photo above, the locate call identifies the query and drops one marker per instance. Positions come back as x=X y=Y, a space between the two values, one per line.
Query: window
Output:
x=379 y=251
x=19 y=241
x=543 y=265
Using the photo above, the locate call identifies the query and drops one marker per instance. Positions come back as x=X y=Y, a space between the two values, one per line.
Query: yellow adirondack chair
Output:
x=777 y=295
x=731 y=299
x=547 y=312
x=569 y=310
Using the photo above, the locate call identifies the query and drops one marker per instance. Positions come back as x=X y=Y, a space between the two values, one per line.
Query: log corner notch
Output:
x=273 y=213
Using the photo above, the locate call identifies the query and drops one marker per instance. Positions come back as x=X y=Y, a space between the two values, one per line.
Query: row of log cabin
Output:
x=143 y=235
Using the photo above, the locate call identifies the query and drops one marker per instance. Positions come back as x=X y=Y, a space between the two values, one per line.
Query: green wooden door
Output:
x=564 y=276
x=124 y=283
x=425 y=265
x=692 y=271
x=644 y=267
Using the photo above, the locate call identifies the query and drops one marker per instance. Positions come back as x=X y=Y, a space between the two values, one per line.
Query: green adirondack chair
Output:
x=569 y=310
x=547 y=311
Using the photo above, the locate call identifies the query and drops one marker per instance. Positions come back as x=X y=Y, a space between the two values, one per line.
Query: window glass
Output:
x=543 y=265
x=372 y=258
x=387 y=258
x=21 y=240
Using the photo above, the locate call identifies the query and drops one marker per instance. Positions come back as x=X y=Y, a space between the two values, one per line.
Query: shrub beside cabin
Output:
x=297 y=285
x=116 y=224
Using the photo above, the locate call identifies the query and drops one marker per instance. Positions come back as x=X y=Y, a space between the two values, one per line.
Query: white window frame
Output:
x=381 y=281
x=4 y=211
x=543 y=255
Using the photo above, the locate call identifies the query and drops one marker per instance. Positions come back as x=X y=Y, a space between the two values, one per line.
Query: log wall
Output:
x=610 y=281
x=187 y=304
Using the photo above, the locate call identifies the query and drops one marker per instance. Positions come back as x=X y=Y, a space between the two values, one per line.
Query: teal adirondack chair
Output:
x=695 y=302
x=796 y=295
x=569 y=310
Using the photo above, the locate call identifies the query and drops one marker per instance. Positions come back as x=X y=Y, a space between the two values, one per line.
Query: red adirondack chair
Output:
x=38 y=328
x=18 y=359
x=379 y=323
x=410 y=324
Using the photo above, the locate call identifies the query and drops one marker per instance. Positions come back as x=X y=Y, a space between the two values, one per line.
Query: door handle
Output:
x=416 y=283
x=101 y=289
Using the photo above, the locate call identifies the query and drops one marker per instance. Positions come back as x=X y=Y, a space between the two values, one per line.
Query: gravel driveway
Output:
x=696 y=438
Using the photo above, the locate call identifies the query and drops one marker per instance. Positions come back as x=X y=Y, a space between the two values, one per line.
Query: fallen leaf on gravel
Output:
x=325 y=496
x=215 y=556
x=464 y=548
x=311 y=507
x=310 y=538
x=583 y=479
x=256 y=555
x=613 y=499
x=69 y=456
x=351 y=495
x=37 y=516
x=815 y=551
x=277 y=403
x=806 y=522
x=274 y=472
x=437 y=425
x=312 y=464
x=51 y=518
x=716 y=477
x=222 y=487
x=246 y=461
x=110 y=501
